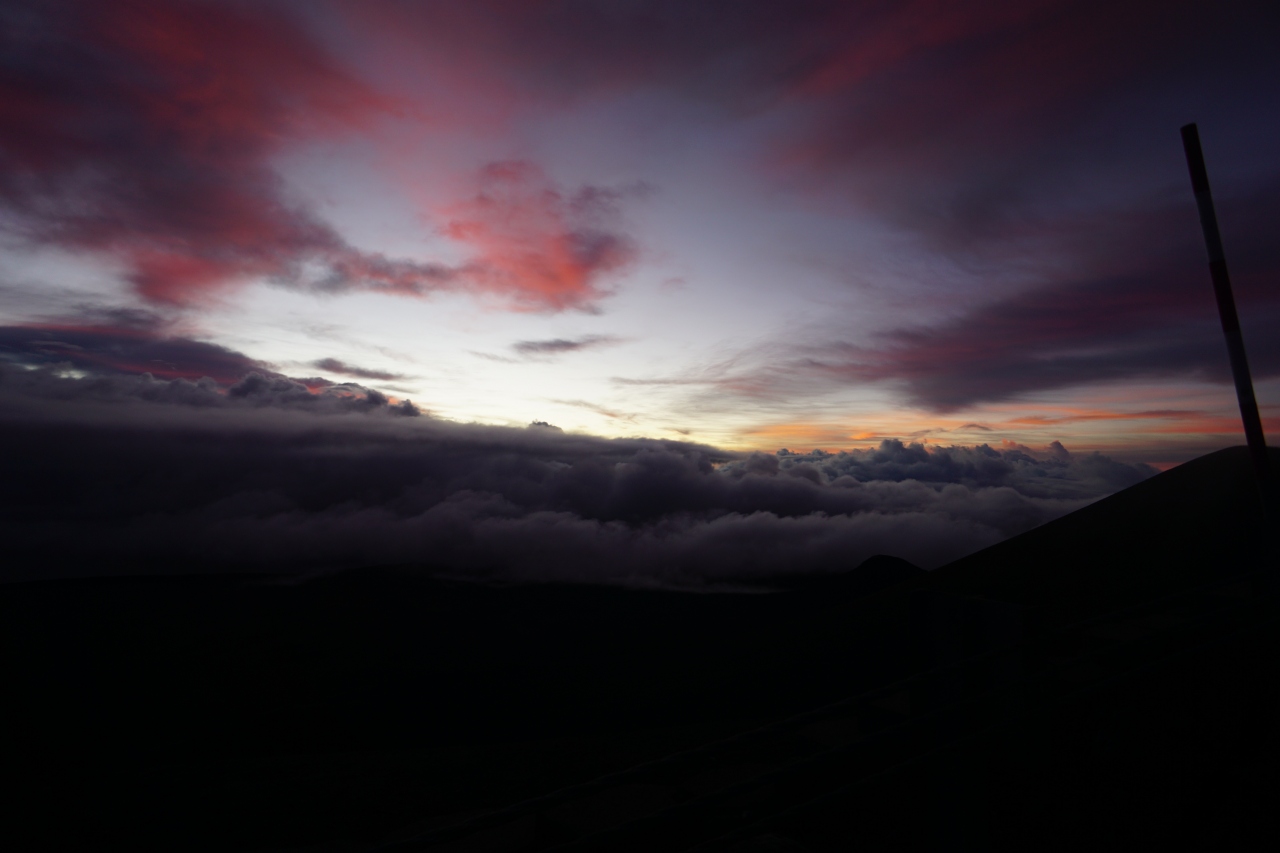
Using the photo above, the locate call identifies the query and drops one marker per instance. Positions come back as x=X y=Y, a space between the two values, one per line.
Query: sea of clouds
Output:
x=129 y=473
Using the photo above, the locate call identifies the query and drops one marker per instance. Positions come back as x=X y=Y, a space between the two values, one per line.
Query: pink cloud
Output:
x=534 y=245
x=147 y=130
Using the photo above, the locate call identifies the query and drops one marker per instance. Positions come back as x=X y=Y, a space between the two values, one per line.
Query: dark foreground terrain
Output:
x=1107 y=681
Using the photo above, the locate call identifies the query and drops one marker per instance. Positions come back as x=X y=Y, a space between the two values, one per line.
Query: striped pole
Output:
x=1227 y=311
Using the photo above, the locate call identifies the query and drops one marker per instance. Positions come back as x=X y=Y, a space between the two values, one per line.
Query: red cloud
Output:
x=146 y=130
x=534 y=245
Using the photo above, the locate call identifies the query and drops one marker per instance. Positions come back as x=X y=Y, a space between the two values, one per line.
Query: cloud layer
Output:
x=142 y=347
x=118 y=473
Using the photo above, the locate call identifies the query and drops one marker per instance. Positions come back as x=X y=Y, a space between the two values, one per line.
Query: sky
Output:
x=721 y=228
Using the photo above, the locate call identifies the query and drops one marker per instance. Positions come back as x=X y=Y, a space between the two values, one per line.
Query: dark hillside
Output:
x=228 y=712
x=1190 y=525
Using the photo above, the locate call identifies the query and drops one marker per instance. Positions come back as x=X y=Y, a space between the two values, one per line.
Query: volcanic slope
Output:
x=1193 y=524
x=371 y=706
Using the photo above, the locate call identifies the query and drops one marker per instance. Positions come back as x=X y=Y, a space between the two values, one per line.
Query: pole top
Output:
x=1195 y=158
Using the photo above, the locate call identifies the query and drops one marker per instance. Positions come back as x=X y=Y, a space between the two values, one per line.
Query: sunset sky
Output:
x=751 y=225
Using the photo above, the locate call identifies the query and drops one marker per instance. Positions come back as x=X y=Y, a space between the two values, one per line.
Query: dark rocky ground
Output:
x=231 y=712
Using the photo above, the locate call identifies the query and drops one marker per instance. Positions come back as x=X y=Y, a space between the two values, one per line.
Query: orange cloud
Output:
x=1096 y=415
x=801 y=435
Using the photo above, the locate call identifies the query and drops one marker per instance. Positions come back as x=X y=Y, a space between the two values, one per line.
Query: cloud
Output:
x=1028 y=149
x=740 y=53
x=598 y=409
x=1057 y=337
x=965 y=121
x=560 y=346
x=953 y=101
x=127 y=473
x=534 y=245
x=1112 y=319
x=143 y=362
x=1025 y=150
x=334 y=365
x=34 y=389
x=1054 y=472
x=142 y=347
x=146 y=130
x=285 y=393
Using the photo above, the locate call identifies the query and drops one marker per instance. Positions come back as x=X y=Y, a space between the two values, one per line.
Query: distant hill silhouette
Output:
x=871 y=575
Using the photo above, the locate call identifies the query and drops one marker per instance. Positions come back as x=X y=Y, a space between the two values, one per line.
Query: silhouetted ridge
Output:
x=873 y=574
x=1193 y=524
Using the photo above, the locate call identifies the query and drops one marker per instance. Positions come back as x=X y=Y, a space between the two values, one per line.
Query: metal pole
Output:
x=1227 y=312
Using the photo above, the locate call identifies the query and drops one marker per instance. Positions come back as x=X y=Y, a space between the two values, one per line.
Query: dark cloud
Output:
x=1035 y=145
x=1052 y=473
x=560 y=346
x=1122 y=320
x=51 y=385
x=283 y=392
x=980 y=127
x=742 y=54
x=334 y=365
x=140 y=362
x=140 y=347
x=1052 y=339
x=954 y=105
x=126 y=473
